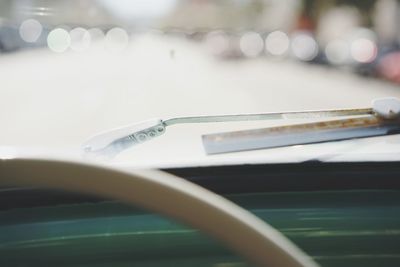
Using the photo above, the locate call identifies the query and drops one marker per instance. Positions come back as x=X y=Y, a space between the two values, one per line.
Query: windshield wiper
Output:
x=116 y=140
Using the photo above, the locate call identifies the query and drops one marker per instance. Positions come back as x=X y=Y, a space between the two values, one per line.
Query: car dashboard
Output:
x=341 y=214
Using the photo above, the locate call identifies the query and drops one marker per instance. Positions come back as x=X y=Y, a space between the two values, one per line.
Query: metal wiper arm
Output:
x=310 y=114
x=116 y=140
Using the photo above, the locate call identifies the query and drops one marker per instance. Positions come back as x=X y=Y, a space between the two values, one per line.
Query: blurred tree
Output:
x=363 y=5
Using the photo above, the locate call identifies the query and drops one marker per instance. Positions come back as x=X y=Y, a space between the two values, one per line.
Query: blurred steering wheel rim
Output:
x=166 y=194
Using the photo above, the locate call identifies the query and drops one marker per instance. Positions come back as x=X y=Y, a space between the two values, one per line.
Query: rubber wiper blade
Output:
x=299 y=134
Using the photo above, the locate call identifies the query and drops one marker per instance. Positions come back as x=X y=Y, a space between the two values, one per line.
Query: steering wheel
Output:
x=166 y=194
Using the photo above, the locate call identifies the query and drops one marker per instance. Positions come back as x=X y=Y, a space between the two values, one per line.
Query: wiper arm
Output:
x=311 y=114
x=116 y=140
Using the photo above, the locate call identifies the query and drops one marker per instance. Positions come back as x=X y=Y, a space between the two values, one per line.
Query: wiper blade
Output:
x=307 y=133
x=116 y=140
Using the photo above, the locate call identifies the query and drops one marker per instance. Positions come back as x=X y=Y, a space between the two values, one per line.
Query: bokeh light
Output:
x=277 y=43
x=251 y=44
x=59 y=40
x=80 y=39
x=363 y=50
x=96 y=34
x=116 y=40
x=338 y=52
x=304 y=46
x=389 y=66
x=30 y=30
x=217 y=42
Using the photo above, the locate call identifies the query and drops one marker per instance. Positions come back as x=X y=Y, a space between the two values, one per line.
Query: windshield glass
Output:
x=69 y=71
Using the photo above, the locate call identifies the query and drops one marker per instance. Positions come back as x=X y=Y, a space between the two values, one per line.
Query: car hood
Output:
x=189 y=153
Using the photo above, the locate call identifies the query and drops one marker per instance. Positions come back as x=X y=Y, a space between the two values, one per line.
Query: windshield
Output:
x=69 y=71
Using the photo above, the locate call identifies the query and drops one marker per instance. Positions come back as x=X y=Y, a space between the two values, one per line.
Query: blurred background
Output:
x=359 y=36
x=69 y=69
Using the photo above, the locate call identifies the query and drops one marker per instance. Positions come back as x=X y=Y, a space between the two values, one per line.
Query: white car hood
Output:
x=190 y=153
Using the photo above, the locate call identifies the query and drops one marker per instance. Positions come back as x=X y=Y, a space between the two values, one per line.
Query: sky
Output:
x=139 y=9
